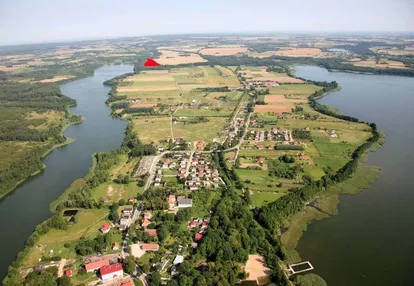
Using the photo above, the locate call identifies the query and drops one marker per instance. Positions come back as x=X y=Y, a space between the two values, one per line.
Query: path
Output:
x=62 y=264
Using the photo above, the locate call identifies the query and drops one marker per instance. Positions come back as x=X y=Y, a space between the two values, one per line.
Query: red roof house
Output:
x=148 y=215
x=145 y=222
x=149 y=246
x=110 y=272
x=105 y=228
x=151 y=232
x=68 y=272
x=192 y=224
x=198 y=236
x=261 y=160
x=96 y=265
x=128 y=283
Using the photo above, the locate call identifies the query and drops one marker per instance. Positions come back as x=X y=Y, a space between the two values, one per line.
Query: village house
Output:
x=261 y=160
x=105 y=228
x=198 y=236
x=127 y=211
x=148 y=215
x=192 y=224
x=178 y=260
x=68 y=272
x=150 y=246
x=151 y=232
x=124 y=220
x=171 y=201
x=90 y=267
x=132 y=200
x=185 y=203
x=115 y=246
x=145 y=222
x=110 y=272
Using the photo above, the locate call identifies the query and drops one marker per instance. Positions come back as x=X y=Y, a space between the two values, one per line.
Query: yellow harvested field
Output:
x=145 y=88
x=383 y=63
x=272 y=98
x=142 y=105
x=57 y=78
x=397 y=52
x=149 y=77
x=276 y=108
x=256 y=268
x=282 y=79
x=293 y=52
x=175 y=58
x=223 y=51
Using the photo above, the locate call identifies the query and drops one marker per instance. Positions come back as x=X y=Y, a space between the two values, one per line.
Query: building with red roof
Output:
x=68 y=272
x=127 y=283
x=151 y=232
x=261 y=160
x=145 y=222
x=105 y=228
x=90 y=267
x=110 y=272
x=150 y=246
x=198 y=236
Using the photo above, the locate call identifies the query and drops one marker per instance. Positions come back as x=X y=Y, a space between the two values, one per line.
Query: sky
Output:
x=36 y=21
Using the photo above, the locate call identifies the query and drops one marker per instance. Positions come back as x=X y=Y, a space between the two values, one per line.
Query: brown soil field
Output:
x=149 y=77
x=13 y=68
x=144 y=88
x=142 y=105
x=281 y=99
x=57 y=78
x=256 y=267
x=381 y=64
x=293 y=52
x=223 y=51
x=174 y=58
x=281 y=79
x=276 y=108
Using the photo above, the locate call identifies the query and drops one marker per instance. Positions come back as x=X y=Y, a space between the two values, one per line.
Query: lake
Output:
x=28 y=205
x=371 y=241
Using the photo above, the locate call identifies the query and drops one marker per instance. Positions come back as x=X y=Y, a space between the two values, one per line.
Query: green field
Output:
x=152 y=129
x=263 y=198
x=335 y=149
x=260 y=181
x=206 y=131
x=112 y=192
x=298 y=89
x=314 y=172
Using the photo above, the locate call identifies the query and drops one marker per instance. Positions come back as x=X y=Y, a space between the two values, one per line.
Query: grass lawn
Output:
x=264 y=198
x=260 y=181
x=225 y=111
x=359 y=181
x=86 y=219
x=314 y=172
x=334 y=148
x=333 y=162
x=112 y=192
x=152 y=129
x=206 y=131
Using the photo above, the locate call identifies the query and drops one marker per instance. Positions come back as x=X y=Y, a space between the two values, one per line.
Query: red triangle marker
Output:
x=151 y=63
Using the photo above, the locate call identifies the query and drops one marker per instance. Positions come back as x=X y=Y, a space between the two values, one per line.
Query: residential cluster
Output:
x=201 y=173
x=234 y=131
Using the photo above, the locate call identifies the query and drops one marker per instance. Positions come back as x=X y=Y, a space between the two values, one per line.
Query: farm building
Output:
x=150 y=246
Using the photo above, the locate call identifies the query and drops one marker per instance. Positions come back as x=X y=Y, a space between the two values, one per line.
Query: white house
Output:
x=185 y=203
x=111 y=272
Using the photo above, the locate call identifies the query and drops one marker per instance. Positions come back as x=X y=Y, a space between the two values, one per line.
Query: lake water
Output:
x=371 y=241
x=28 y=205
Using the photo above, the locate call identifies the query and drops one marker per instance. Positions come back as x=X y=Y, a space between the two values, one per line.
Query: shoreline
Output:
x=324 y=206
x=42 y=156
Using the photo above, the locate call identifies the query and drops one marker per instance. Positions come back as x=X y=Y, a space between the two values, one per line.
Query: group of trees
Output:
x=46 y=277
x=87 y=246
x=301 y=134
x=277 y=168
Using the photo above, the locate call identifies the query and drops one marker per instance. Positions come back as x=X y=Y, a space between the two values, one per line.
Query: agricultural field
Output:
x=223 y=51
x=382 y=64
x=169 y=57
x=293 y=52
x=152 y=129
x=408 y=50
x=295 y=89
x=261 y=74
x=207 y=131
